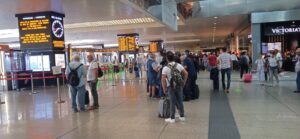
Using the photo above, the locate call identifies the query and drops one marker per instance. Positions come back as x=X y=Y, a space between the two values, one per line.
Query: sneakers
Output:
x=182 y=119
x=169 y=120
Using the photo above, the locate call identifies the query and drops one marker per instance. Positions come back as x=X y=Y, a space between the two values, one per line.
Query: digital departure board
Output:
x=155 y=46
x=128 y=42
x=41 y=31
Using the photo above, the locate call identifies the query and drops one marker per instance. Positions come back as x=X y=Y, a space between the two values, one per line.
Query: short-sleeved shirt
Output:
x=233 y=57
x=225 y=60
x=212 y=60
x=167 y=71
x=81 y=71
x=190 y=67
x=91 y=76
x=273 y=61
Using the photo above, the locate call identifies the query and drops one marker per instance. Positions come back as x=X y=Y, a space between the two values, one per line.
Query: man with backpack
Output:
x=75 y=73
x=92 y=78
x=173 y=79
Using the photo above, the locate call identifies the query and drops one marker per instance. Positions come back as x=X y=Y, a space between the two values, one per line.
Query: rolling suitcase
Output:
x=247 y=78
x=197 y=92
x=164 y=108
x=214 y=76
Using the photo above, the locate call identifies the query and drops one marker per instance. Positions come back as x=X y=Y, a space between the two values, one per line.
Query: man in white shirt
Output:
x=225 y=65
x=92 y=78
x=175 y=93
x=140 y=62
x=279 y=58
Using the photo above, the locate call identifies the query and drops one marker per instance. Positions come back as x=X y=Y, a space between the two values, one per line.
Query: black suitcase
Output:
x=87 y=98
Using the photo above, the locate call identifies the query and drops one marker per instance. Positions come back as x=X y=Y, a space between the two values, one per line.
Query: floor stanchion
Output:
x=59 y=100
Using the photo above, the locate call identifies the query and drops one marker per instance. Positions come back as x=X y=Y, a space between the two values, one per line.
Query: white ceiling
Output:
x=78 y=11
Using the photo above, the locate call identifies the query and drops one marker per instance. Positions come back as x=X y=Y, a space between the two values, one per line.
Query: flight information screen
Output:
x=41 y=31
x=128 y=42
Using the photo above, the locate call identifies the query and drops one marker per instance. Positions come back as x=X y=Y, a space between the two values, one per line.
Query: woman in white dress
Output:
x=260 y=69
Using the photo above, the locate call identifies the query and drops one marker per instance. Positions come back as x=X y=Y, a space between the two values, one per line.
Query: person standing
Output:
x=244 y=63
x=174 y=77
x=279 y=58
x=92 y=78
x=152 y=68
x=297 y=70
x=273 y=63
x=140 y=62
x=190 y=86
x=75 y=73
x=260 y=63
x=225 y=66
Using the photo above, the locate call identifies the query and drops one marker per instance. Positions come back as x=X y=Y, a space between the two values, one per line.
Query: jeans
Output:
x=244 y=69
x=81 y=97
x=176 y=99
x=93 y=87
x=140 y=69
x=274 y=73
x=228 y=72
x=298 y=81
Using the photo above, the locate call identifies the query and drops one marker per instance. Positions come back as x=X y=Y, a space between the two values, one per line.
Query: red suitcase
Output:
x=247 y=77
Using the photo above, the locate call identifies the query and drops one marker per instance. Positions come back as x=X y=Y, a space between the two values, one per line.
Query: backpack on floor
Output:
x=164 y=108
x=73 y=78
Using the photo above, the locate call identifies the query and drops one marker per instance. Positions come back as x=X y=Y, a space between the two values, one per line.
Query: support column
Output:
x=256 y=42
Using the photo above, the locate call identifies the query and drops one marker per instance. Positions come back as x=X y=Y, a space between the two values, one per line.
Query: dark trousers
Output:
x=298 y=81
x=193 y=86
x=187 y=89
x=228 y=73
x=244 y=69
x=214 y=76
x=266 y=75
x=93 y=87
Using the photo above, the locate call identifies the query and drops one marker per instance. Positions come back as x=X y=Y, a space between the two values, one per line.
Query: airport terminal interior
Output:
x=149 y=69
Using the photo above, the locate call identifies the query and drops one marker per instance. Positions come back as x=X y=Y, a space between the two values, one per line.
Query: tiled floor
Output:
x=126 y=112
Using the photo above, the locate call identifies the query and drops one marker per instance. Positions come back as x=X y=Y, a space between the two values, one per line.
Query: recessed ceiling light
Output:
x=215 y=23
x=216 y=17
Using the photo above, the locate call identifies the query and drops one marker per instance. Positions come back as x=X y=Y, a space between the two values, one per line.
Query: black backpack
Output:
x=73 y=78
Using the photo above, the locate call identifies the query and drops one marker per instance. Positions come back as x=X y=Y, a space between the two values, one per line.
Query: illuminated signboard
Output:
x=41 y=31
x=155 y=46
x=128 y=42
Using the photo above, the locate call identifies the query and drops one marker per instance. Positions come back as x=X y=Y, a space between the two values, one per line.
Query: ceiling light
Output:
x=110 y=23
x=87 y=41
x=215 y=23
x=83 y=46
x=216 y=17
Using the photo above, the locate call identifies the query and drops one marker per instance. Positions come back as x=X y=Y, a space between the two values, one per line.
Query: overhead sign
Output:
x=281 y=30
x=155 y=46
x=128 y=42
x=43 y=30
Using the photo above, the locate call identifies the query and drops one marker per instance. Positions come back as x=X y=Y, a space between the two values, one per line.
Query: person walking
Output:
x=273 y=63
x=214 y=71
x=244 y=64
x=225 y=66
x=92 y=78
x=75 y=73
x=140 y=62
x=297 y=70
x=260 y=69
x=174 y=77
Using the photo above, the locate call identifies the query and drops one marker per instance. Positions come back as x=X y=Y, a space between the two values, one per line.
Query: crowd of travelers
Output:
x=174 y=75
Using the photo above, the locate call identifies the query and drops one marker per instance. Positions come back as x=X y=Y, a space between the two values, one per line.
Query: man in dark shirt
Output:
x=190 y=87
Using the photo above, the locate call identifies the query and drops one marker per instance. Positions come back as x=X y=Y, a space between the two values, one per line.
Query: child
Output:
x=260 y=69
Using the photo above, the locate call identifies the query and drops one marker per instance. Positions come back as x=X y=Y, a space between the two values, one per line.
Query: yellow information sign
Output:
x=127 y=43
